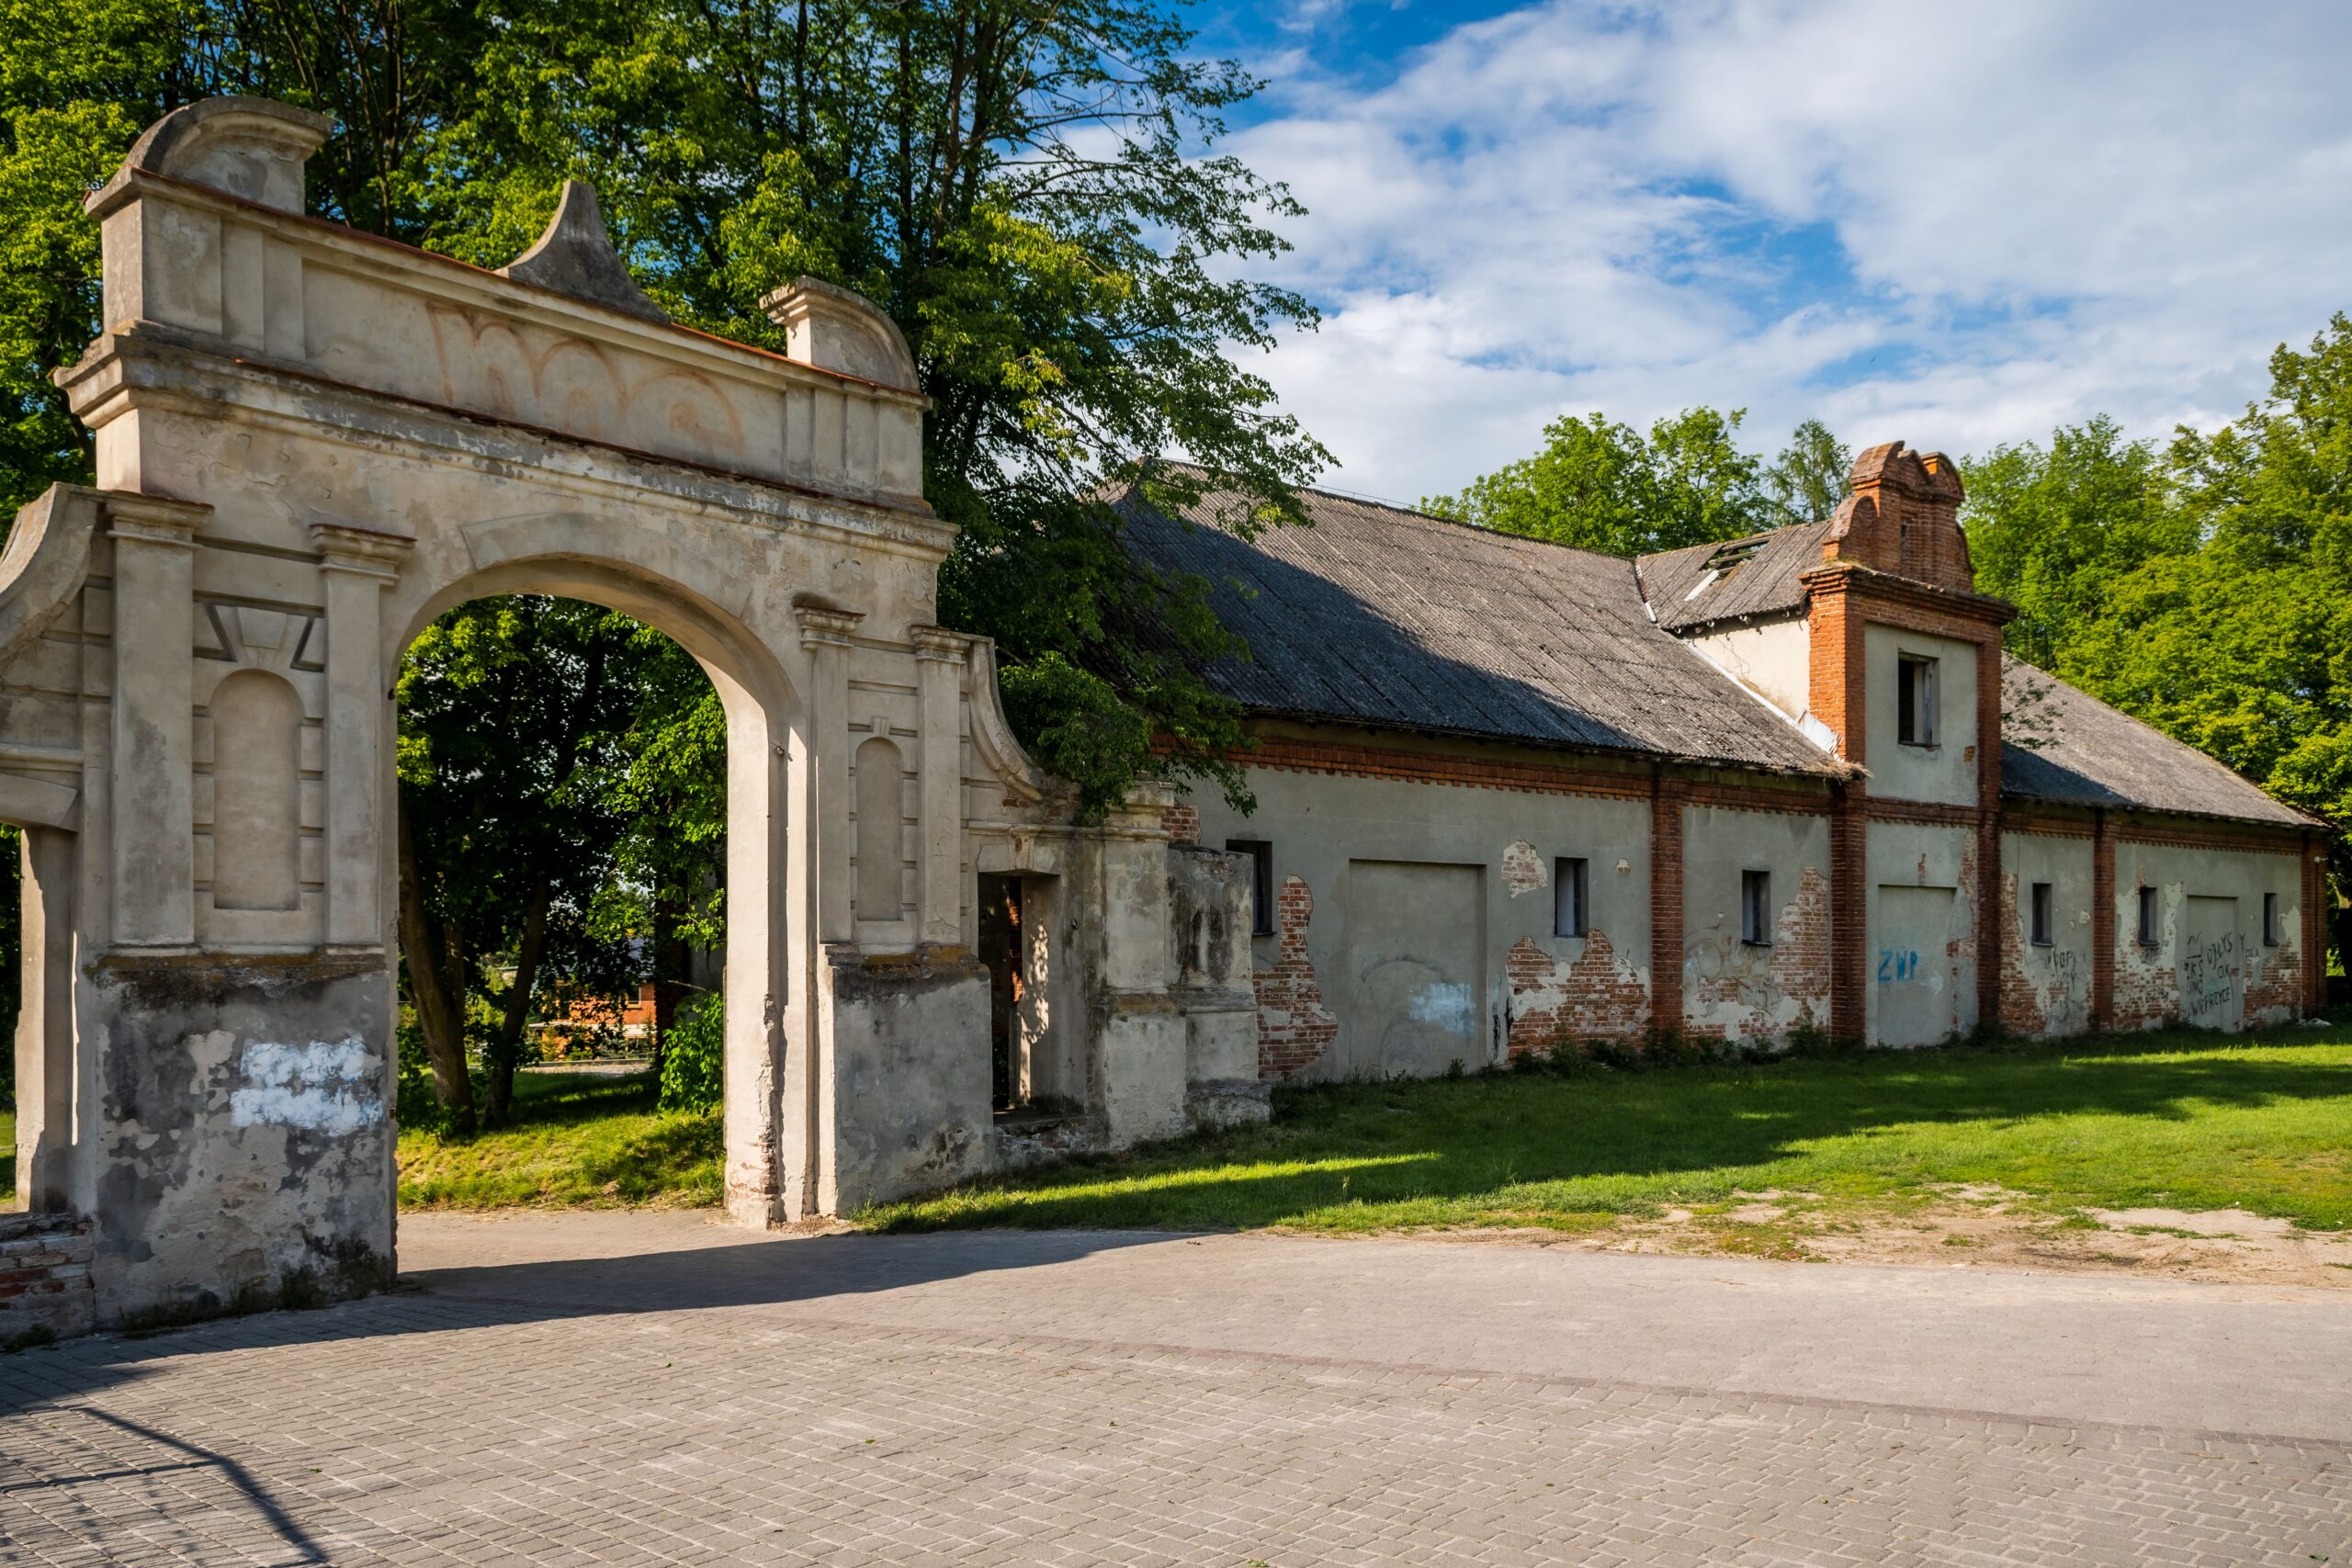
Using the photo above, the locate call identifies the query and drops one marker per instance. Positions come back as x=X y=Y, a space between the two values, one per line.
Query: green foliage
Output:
x=693 y=1057
x=540 y=747
x=1602 y=486
x=2206 y=588
x=1813 y=472
x=2052 y=528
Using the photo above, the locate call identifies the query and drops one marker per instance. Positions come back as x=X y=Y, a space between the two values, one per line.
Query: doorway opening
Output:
x=561 y=862
x=1029 y=1080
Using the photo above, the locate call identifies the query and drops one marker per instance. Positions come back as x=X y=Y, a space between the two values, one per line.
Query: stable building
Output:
x=1510 y=794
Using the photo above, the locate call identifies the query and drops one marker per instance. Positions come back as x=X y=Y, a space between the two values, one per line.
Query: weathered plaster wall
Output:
x=1733 y=989
x=1322 y=1017
x=1945 y=771
x=1208 y=938
x=2229 y=977
x=1772 y=659
x=2046 y=990
x=908 y=1100
x=243 y=1132
x=1921 y=985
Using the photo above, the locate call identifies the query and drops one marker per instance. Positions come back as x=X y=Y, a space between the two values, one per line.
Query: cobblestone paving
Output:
x=435 y=1429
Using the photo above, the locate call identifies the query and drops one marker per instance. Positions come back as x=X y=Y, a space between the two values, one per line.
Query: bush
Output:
x=693 y=1057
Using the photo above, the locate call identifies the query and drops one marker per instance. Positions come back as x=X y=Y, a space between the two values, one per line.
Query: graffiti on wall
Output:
x=2209 y=979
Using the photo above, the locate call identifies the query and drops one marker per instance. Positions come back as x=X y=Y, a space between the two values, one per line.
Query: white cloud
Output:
x=1955 y=225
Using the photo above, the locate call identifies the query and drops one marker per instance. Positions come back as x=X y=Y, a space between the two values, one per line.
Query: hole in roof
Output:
x=1734 y=554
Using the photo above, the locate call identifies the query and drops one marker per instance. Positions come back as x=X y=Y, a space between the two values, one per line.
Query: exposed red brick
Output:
x=1667 y=798
x=1295 y=1029
x=1901 y=515
x=1798 y=971
x=1183 y=821
x=1592 y=998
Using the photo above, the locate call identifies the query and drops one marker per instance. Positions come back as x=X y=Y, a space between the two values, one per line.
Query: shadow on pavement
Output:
x=758 y=1270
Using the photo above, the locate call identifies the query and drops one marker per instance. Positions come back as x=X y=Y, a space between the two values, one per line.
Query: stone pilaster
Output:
x=825 y=636
x=357 y=565
x=939 y=663
x=153 y=845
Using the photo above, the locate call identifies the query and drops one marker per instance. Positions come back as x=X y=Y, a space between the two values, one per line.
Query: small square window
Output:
x=1570 y=887
x=2042 y=920
x=2270 y=919
x=1915 y=700
x=2150 y=921
x=1262 y=882
x=1756 y=907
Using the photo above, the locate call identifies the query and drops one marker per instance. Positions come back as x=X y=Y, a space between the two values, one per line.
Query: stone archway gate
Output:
x=310 y=442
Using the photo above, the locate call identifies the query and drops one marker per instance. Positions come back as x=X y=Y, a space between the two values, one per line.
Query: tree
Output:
x=2207 y=589
x=664 y=781
x=1032 y=191
x=1813 y=472
x=2052 y=528
x=1602 y=486
x=516 y=713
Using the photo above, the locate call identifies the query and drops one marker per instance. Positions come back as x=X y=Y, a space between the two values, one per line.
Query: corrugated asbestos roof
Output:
x=1395 y=619
x=1384 y=617
x=2064 y=745
x=1738 y=580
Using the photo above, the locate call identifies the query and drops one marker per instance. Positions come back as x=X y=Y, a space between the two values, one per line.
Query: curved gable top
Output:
x=839 y=329
x=253 y=148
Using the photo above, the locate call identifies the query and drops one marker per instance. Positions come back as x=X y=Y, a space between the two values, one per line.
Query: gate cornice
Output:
x=146 y=366
x=264 y=287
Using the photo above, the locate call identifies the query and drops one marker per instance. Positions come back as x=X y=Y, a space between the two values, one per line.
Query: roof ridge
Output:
x=1415 y=513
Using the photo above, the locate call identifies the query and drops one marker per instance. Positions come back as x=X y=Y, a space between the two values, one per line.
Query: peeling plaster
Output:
x=324 y=1086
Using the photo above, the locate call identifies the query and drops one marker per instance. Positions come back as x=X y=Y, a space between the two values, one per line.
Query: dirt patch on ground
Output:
x=1971 y=1227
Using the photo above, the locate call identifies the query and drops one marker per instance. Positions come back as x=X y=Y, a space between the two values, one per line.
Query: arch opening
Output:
x=679 y=949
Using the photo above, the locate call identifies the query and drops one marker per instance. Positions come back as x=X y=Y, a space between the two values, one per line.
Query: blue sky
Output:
x=1953 y=224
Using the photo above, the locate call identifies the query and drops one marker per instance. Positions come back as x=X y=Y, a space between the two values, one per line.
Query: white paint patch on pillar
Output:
x=324 y=1086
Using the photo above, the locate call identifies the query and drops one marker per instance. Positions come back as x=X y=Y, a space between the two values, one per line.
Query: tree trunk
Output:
x=436 y=985
x=668 y=971
x=506 y=1050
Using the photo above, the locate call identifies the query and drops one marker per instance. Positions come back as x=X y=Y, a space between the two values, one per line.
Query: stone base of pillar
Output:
x=1139 y=1039
x=238 y=1153
x=902 y=1097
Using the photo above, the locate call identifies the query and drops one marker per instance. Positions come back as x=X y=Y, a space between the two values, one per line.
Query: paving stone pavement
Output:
x=631 y=1391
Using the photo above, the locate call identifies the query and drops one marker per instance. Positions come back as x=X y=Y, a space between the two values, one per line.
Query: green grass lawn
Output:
x=2180 y=1121
x=7 y=1157
x=577 y=1139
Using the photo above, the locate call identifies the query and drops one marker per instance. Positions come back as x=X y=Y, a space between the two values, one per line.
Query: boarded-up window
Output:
x=881 y=831
x=256 y=793
x=2148 y=917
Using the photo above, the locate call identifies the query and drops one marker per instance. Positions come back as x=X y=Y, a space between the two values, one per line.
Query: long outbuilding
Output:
x=1511 y=793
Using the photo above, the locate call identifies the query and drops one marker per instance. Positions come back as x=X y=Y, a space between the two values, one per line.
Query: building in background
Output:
x=1510 y=793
